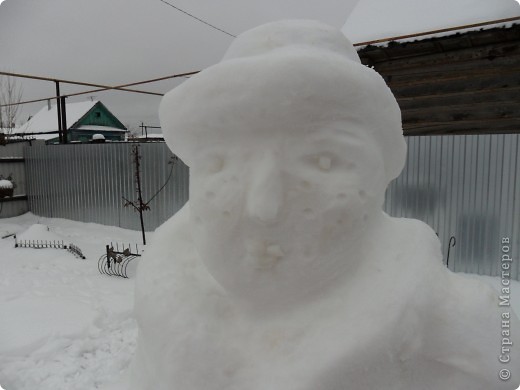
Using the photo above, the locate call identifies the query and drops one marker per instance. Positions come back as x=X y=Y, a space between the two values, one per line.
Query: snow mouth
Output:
x=264 y=256
x=274 y=251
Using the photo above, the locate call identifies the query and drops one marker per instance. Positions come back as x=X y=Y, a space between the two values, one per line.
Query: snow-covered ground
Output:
x=62 y=324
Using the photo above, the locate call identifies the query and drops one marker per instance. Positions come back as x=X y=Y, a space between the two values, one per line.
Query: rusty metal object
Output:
x=115 y=262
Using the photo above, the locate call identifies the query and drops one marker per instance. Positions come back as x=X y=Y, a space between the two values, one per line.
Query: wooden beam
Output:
x=486 y=95
x=457 y=112
x=488 y=53
x=13 y=198
x=459 y=94
x=490 y=126
x=449 y=68
x=460 y=88
x=437 y=77
x=444 y=30
x=462 y=40
x=11 y=159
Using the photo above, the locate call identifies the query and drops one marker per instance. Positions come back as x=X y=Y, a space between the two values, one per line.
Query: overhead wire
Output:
x=122 y=87
x=442 y=30
x=197 y=18
x=42 y=78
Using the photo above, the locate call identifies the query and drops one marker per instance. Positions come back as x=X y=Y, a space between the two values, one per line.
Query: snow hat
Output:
x=293 y=77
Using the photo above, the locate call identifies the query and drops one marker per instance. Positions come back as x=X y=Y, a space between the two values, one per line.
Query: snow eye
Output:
x=324 y=163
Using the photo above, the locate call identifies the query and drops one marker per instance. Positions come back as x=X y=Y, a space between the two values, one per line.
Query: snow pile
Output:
x=62 y=324
x=40 y=323
x=282 y=272
x=98 y=137
x=6 y=184
x=39 y=232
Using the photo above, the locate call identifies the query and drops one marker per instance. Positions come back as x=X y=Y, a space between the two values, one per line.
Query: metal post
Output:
x=108 y=256
x=137 y=157
x=64 y=119
x=58 y=107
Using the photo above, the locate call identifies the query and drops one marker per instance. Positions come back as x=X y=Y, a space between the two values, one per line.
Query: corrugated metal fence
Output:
x=87 y=182
x=465 y=187
x=12 y=164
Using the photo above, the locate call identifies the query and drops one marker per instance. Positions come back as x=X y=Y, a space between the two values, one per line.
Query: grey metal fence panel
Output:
x=12 y=164
x=17 y=171
x=86 y=182
x=12 y=209
x=465 y=187
x=14 y=149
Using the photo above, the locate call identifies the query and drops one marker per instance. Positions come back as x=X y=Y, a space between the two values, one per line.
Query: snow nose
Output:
x=265 y=193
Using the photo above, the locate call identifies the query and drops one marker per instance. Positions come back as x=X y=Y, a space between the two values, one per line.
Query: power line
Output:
x=26 y=76
x=122 y=87
x=443 y=30
x=196 y=18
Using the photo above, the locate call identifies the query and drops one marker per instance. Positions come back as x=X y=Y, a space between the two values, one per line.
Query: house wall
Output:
x=86 y=136
x=100 y=116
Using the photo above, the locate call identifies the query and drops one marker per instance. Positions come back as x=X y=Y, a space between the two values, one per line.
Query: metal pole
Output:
x=139 y=193
x=64 y=119
x=58 y=107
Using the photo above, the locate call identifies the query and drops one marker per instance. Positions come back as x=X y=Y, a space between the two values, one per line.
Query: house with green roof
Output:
x=84 y=120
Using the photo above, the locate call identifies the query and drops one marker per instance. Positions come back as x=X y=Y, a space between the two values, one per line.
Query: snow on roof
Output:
x=155 y=136
x=99 y=128
x=47 y=119
x=375 y=19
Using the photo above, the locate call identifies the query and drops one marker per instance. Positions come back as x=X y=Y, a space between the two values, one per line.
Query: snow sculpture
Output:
x=282 y=272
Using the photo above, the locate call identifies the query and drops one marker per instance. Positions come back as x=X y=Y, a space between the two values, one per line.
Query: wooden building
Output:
x=464 y=83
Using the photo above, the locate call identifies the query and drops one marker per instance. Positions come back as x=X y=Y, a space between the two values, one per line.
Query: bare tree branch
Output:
x=10 y=92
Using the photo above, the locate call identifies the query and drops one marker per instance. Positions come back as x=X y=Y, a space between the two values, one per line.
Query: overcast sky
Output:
x=120 y=41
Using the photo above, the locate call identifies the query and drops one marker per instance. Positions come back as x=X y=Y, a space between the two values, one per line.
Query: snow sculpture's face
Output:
x=286 y=140
x=275 y=215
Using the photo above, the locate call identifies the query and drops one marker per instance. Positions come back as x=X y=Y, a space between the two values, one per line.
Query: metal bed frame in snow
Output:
x=115 y=262
x=44 y=244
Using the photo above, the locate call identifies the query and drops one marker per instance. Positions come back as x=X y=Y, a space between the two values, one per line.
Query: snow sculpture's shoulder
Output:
x=412 y=248
x=171 y=266
x=420 y=236
x=458 y=315
x=463 y=330
x=451 y=322
x=171 y=246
